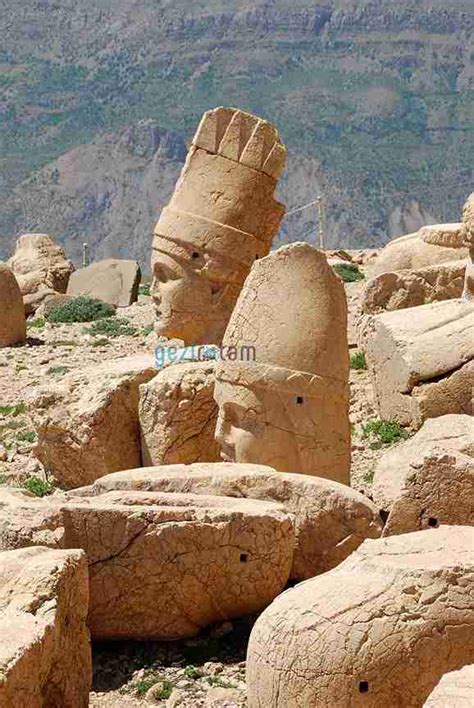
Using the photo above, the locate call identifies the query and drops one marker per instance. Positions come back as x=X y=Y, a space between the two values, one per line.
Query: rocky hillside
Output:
x=97 y=99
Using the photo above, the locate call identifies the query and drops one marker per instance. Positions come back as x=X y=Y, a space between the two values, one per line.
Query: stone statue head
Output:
x=282 y=381
x=221 y=218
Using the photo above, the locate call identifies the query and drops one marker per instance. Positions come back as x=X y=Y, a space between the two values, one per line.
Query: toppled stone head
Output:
x=221 y=218
x=468 y=235
x=286 y=406
x=39 y=263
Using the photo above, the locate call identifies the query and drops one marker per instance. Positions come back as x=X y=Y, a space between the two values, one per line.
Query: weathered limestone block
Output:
x=410 y=288
x=45 y=657
x=12 y=313
x=284 y=398
x=468 y=235
x=39 y=263
x=331 y=520
x=427 y=247
x=455 y=690
x=112 y=280
x=221 y=218
x=429 y=479
x=379 y=630
x=178 y=415
x=88 y=426
x=420 y=361
x=164 y=566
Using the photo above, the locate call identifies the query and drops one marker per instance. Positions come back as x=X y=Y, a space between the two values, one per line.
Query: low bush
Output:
x=80 y=309
x=349 y=272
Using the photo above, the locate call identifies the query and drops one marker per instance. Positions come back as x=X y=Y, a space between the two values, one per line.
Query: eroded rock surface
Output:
x=429 y=479
x=88 y=425
x=380 y=629
x=12 y=313
x=39 y=263
x=455 y=690
x=112 y=280
x=45 y=657
x=330 y=519
x=163 y=566
x=178 y=416
x=410 y=288
x=427 y=247
x=421 y=361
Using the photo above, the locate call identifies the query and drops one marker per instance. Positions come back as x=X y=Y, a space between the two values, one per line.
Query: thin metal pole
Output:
x=85 y=255
x=321 y=222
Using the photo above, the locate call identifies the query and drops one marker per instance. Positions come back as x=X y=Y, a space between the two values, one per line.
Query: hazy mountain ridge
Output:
x=374 y=101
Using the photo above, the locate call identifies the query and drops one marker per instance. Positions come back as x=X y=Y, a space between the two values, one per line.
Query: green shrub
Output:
x=16 y=409
x=383 y=432
x=144 y=289
x=349 y=272
x=58 y=370
x=36 y=324
x=358 y=361
x=147 y=330
x=113 y=327
x=28 y=436
x=38 y=487
x=191 y=672
x=80 y=309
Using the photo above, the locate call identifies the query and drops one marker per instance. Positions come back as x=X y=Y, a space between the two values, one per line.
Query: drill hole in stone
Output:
x=363 y=686
x=433 y=522
x=195 y=254
x=299 y=400
x=243 y=557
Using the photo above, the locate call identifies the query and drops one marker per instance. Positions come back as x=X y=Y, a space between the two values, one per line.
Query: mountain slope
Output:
x=375 y=101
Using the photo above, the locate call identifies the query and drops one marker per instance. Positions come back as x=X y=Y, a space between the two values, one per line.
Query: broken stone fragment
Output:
x=88 y=426
x=12 y=313
x=421 y=361
x=429 y=479
x=330 y=519
x=112 y=280
x=162 y=566
x=455 y=690
x=178 y=415
x=39 y=263
x=45 y=657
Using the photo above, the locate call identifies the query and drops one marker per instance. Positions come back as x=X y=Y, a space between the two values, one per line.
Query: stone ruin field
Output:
x=293 y=530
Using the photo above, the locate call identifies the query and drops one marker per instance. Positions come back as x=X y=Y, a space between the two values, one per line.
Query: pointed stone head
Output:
x=221 y=218
x=282 y=381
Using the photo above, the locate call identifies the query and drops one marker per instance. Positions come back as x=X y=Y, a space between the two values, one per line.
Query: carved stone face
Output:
x=258 y=427
x=188 y=303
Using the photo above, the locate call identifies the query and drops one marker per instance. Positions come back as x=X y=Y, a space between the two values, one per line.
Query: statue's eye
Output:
x=195 y=254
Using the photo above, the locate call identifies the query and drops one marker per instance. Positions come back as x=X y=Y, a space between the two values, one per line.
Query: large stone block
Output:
x=88 y=426
x=410 y=288
x=45 y=657
x=178 y=415
x=429 y=479
x=421 y=361
x=163 y=566
x=331 y=520
x=12 y=312
x=379 y=630
x=39 y=263
x=112 y=280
